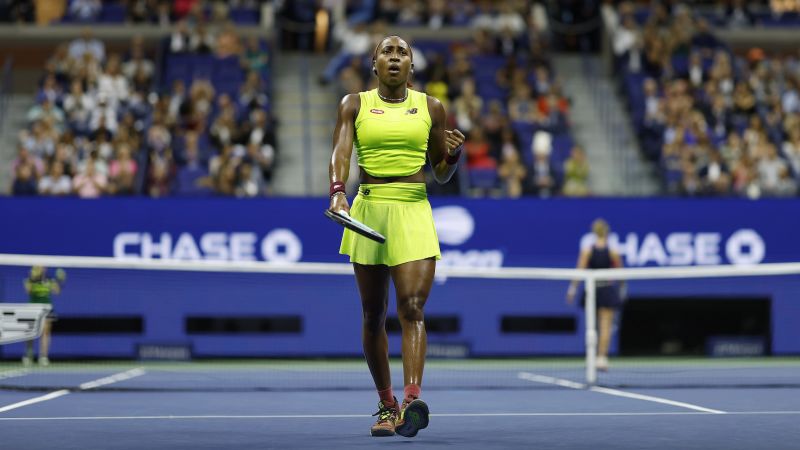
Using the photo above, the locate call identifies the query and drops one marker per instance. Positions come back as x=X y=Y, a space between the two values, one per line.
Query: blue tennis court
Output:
x=327 y=404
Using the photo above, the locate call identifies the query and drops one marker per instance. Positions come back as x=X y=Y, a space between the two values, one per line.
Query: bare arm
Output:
x=583 y=262
x=343 y=136
x=442 y=142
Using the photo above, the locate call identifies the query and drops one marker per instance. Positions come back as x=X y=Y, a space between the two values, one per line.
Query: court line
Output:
x=13 y=373
x=39 y=399
x=128 y=374
x=616 y=392
x=361 y=416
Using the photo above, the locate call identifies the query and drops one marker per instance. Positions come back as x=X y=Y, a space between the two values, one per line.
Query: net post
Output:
x=591 y=331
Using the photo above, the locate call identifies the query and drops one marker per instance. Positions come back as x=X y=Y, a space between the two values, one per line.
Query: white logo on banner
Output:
x=454 y=224
x=279 y=245
x=682 y=248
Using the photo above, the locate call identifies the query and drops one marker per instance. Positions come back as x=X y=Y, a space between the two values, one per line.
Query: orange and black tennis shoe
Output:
x=388 y=415
x=413 y=417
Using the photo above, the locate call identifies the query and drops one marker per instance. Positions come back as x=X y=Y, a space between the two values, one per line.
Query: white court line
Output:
x=128 y=374
x=616 y=392
x=13 y=373
x=41 y=398
x=361 y=416
x=122 y=376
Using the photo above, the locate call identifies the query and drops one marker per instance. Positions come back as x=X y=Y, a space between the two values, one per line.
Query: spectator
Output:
x=138 y=62
x=576 y=174
x=160 y=174
x=786 y=186
x=192 y=177
x=738 y=15
x=78 y=106
x=542 y=179
x=51 y=90
x=85 y=10
x=249 y=182
x=770 y=167
x=40 y=141
x=89 y=183
x=202 y=40
x=87 y=44
x=122 y=172
x=218 y=161
x=512 y=173
x=254 y=58
x=24 y=180
x=56 y=182
x=228 y=43
x=180 y=37
x=259 y=130
x=142 y=11
x=112 y=84
x=263 y=158
x=715 y=176
x=467 y=106
x=521 y=107
x=478 y=151
x=251 y=93
x=791 y=149
x=226 y=180
x=47 y=113
x=355 y=43
x=225 y=130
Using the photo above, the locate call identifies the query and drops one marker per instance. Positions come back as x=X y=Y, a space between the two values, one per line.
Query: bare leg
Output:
x=373 y=285
x=413 y=281
x=44 y=341
x=606 y=321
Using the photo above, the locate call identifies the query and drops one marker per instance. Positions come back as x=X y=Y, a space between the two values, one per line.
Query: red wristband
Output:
x=453 y=159
x=337 y=186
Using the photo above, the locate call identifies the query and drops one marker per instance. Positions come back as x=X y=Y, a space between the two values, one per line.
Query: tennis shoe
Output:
x=413 y=417
x=388 y=416
x=602 y=363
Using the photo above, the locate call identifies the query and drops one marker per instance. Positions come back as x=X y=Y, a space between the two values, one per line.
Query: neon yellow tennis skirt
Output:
x=400 y=212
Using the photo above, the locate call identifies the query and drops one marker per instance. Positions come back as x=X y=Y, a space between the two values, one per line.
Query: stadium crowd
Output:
x=114 y=124
x=171 y=123
x=716 y=122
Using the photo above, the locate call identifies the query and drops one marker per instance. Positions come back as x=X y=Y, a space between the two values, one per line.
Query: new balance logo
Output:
x=411 y=111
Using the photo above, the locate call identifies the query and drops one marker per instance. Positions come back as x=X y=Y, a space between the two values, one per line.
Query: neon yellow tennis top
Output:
x=392 y=138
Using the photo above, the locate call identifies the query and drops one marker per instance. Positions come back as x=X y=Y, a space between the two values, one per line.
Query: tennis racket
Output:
x=344 y=219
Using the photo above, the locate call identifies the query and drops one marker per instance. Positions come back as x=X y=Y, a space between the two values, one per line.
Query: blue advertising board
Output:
x=473 y=233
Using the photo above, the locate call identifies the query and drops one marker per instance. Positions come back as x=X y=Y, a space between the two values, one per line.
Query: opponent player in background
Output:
x=40 y=289
x=607 y=297
x=394 y=129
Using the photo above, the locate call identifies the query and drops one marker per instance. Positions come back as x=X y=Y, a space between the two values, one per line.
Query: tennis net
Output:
x=217 y=326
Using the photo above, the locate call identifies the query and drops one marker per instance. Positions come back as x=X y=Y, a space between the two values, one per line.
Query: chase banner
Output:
x=477 y=233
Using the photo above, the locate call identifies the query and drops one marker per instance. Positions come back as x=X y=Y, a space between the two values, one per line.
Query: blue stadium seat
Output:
x=483 y=178
x=245 y=16
x=112 y=13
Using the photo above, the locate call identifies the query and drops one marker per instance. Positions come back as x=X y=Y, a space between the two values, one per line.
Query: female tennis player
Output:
x=40 y=290
x=394 y=129
x=607 y=297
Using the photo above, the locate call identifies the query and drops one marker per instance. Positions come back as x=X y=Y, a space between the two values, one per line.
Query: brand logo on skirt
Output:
x=376 y=111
